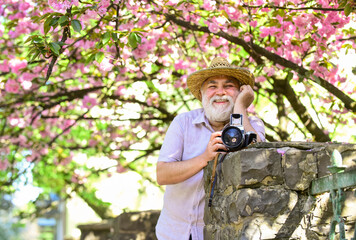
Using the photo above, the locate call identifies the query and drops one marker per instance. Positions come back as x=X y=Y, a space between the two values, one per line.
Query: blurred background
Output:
x=88 y=90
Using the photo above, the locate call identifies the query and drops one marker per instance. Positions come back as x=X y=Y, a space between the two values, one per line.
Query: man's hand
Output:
x=245 y=97
x=215 y=144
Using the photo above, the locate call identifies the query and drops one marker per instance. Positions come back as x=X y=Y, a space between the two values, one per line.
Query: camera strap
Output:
x=219 y=158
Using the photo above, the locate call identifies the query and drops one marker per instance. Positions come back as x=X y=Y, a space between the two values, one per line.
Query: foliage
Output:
x=86 y=79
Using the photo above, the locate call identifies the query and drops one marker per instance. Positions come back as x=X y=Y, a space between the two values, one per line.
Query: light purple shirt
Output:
x=183 y=207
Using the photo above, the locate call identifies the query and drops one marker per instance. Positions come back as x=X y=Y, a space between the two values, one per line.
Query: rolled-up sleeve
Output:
x=259 y=126
x=173 y=144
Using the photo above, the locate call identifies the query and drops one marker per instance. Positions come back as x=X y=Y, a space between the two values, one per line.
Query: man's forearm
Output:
x=176 y=172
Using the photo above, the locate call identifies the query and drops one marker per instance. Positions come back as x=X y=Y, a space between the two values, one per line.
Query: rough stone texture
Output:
x=127 y=226
x=136 y=225
x=263 y=192
x=96 y=231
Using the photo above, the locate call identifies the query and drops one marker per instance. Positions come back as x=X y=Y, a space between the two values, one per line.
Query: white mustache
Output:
x=220 y=98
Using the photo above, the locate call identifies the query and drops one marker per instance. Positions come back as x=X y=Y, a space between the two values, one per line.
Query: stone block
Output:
x=136 y=225
x=246 y=167
x=263 y=193
x=300 y=168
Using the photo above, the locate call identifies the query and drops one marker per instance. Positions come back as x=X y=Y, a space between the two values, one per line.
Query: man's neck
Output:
x=217 y=126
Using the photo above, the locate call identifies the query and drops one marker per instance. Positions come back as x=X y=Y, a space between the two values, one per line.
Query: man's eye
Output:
x=211 y=86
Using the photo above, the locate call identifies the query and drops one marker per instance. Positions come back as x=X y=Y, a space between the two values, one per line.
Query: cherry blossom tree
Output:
x=93 y=79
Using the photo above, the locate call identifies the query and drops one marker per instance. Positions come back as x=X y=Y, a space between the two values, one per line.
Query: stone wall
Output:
x=127 y=226
x=263 y=192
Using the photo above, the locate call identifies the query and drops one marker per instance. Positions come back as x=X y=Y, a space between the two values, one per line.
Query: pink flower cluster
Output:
x=62 y=5
x=144 y=48
x=89 y=102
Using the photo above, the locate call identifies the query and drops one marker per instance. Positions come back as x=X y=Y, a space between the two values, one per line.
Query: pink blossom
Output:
x=247 y=38
x=280 y=151
x=120 y=169
x=121 y=90
x=143 y=21
x=89 y=102
x=269 y=70
x=219 y=20
x=305 y=46
x=62 y=4
x=105 y=65
x=4 y=164
x=103 y=5
x=217 y=42
x=181 y=64
x=12 y=86
x=139 y=53
x=15 y=121
x=16 y=64
x=24 y=6
x=26 y=85
x=4 y=66
x=233 y=13
x=213 y=27
x=209 y=5
x=260 y=79
x=253 y=24
x=264 y=32
x=27 y=77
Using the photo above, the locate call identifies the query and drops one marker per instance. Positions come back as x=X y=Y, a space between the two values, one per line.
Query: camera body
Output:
x=233 y=135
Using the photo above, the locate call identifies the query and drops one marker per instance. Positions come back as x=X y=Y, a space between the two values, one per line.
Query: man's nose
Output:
x=220 y=91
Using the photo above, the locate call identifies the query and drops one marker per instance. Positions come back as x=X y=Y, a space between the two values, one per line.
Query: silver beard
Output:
x=217 y=113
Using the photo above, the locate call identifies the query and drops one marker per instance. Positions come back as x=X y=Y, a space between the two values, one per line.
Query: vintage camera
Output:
x=233 y=135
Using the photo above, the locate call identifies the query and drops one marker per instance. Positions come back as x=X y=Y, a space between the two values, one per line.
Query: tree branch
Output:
x=256 y=52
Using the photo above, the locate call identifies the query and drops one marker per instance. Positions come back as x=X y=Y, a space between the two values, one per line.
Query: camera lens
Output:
x=232 y=137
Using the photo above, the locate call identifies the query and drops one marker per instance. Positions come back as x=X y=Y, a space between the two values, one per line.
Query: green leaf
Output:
x=342 y=3
x=290 y=75
x=54 y=21
x=243 y=53
x=54 y=47
x=47 y=25
x=354 y=70
x=37 y=39
x=76 y=25
x=348 y=9
x=35 y=55
x=31 y=51
x=30 y=38
x=35 y=19
x=45 y=16
x=134 y=40
x=62 y=20
x=106 y=38
x=114 y=36
x=90 y=59
x=99 y=57
x=224 y=13
x=61 y=43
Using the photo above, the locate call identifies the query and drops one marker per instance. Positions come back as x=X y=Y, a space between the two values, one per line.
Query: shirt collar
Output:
x=202 y=119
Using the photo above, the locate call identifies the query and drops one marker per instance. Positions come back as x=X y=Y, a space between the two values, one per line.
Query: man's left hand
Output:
x=245 y=97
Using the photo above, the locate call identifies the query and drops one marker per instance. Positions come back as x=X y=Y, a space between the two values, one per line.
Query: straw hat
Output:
x=219 y=66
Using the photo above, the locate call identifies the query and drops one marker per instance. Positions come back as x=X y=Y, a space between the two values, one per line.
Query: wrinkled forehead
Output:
x=227 y=79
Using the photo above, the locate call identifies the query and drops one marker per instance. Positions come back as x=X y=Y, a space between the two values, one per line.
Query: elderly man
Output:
x=193 y=139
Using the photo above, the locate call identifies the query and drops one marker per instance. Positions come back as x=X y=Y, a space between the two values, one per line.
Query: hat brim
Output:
x=196 y=79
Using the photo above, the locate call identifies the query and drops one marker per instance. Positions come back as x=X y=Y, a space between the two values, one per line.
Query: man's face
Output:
x=218 y=97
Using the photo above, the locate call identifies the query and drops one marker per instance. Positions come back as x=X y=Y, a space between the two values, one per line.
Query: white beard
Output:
x=217 y=113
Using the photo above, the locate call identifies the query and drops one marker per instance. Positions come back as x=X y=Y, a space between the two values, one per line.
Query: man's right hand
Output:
x=178 y=171
x=215 y=144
